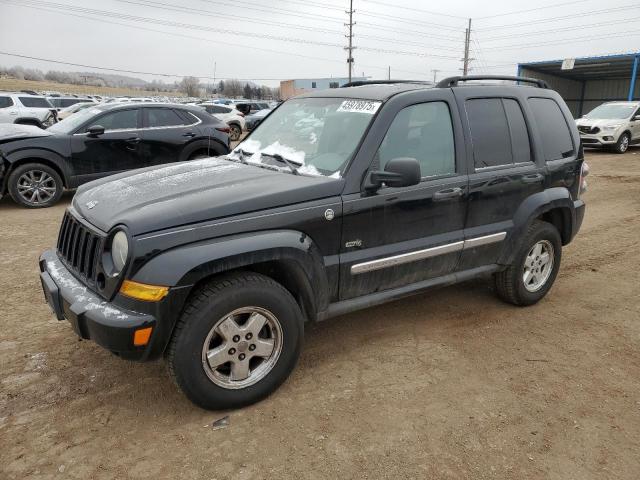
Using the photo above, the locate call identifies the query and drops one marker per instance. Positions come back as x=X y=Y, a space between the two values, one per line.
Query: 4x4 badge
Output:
x=329 y=214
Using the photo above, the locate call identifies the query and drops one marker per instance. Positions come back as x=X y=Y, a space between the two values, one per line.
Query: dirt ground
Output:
x=448 y=385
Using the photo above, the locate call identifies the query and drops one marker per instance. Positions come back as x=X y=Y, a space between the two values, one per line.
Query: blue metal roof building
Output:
x=586 y=82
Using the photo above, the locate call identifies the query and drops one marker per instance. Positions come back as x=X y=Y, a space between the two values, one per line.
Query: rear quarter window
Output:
x=35 y=102
x=5 y=102
x=556 y=137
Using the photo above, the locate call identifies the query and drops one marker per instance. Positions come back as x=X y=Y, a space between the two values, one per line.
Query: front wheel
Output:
x=238 y=339
x=35 y=185
x=234 y=132
x=622 y=145
x=534 y=268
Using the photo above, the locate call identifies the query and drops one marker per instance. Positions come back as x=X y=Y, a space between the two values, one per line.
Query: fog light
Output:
x=607 y=138
x=141 y=336
x=141 y=291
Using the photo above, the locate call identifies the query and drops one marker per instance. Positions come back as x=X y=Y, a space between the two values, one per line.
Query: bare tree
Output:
x=233 y=88
x=190 y=86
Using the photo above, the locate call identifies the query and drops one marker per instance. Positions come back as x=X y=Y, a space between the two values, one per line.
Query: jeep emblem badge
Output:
x=329 y=214
x=92 y=204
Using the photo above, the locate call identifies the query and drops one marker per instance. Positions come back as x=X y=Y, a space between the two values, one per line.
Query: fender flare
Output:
x=48 y=157
x=296 y=254
x=28 y=121
x=533 y=207
x=214 y=146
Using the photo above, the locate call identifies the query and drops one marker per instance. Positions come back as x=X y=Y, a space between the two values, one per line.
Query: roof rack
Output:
x=359 y=83
x=453 y=81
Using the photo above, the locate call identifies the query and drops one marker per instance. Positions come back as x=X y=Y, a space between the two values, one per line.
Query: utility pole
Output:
x=215 y=64
x=435 y=72
x=389 y=77
x=467 y=41
x=350 y=48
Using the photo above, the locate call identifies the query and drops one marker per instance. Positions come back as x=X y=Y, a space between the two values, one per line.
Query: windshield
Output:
x=611 y=111
x=318 y=135
x=72 y=122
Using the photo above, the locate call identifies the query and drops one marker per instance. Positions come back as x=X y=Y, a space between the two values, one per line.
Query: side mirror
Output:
x=635 y=118
x=95 y=130
x=398 y=172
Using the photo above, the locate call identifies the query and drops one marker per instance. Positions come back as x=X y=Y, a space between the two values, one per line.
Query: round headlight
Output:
x=119 y=250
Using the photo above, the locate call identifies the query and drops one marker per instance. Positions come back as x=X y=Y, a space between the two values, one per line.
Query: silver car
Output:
x=26 y=109
x=613 y=125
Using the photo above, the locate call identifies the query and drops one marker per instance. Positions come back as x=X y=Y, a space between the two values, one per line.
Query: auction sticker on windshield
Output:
x=359 y=106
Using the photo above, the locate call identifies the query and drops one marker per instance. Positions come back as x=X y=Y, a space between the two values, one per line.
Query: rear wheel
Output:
x=237 y=341
x=534 y=268
x=622 y=145
x=235 y=132
x=35 y=185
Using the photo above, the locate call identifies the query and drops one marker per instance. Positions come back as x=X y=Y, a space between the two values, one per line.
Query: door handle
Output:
x=189 y=134
x=133 y=140
x=535 y=178
x=447 y=194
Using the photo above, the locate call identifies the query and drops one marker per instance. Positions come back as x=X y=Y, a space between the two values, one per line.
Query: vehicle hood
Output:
x=594 y=122
x=183 y=193
x=11 y=131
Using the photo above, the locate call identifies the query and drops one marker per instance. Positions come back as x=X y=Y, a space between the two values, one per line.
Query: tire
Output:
x=197 y=337
x=35 y=185
x=33 y=123
x=199 y=154
x=235 y=133
x=510 y=283
x=622 y=145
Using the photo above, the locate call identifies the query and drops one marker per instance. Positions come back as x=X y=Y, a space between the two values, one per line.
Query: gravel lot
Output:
x=452 y=384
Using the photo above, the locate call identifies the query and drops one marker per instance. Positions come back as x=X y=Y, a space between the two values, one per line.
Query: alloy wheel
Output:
x=36 y=187
x=538 y=265
x=242 y=347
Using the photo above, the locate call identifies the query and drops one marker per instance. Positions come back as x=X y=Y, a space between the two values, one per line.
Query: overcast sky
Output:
x=268 y=40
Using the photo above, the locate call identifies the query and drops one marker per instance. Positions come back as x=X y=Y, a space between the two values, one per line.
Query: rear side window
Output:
x=555 y=133
x=489 y=132
x=498 y=131
x=35 y=102
x=5 y=102
x=163 y=117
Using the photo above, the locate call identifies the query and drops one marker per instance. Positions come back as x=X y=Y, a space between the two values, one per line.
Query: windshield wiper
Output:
x=293 y=166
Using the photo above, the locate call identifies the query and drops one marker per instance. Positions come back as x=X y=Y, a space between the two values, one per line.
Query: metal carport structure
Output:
x=589 y=81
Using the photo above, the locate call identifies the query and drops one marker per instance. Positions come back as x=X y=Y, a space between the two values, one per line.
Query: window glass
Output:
x=423 y=132
x=555 y=133
x=489 y=132
x=122 y=119
x=333 y=85
x=520 y=145
x=35 y=102
x=5 y=102
x=163 y=117
x=313 y=84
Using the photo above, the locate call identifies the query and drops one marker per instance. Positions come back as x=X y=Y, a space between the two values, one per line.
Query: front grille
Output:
x=79 y=248
x=590 y=140
x=587 y=129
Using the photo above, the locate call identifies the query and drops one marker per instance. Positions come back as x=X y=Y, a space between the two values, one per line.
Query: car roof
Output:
x=124 y=106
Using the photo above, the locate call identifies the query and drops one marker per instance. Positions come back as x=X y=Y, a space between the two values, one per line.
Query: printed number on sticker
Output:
x=359 y=106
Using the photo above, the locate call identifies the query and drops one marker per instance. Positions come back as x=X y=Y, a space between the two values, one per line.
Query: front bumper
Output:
x=600 y=139
x=90 y=316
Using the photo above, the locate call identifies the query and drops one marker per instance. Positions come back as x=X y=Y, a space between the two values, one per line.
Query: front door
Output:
x=117 y=149
x=399 y=236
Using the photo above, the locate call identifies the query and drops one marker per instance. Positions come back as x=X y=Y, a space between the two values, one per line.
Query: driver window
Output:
x=120 y=120
x=424 y=132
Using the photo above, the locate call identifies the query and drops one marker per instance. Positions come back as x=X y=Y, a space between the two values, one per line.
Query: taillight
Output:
x=584 y=171
x=223 y=129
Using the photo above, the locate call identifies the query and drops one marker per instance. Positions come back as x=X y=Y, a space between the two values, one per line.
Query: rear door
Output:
x=165 y=134
x=504 y=172
x=117 y=149
x=399 y=236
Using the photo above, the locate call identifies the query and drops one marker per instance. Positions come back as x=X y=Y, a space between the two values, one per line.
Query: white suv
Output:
x=26 y=109
x=612 y=124
x=229 y=115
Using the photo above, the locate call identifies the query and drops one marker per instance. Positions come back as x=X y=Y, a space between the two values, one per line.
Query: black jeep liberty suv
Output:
x=339 y=200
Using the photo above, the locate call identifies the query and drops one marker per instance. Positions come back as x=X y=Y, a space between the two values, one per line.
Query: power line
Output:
x=430 y=12
x=565 y=17
x=557 y=5
x=561 y=41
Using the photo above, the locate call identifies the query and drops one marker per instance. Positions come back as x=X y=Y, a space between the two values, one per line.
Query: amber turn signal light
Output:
x=141 y=336
x=141 y=291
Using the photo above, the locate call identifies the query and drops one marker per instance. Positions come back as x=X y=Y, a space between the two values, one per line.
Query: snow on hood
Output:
x=594 y=122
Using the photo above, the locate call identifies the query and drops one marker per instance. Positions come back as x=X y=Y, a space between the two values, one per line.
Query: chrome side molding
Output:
x=403 y=258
